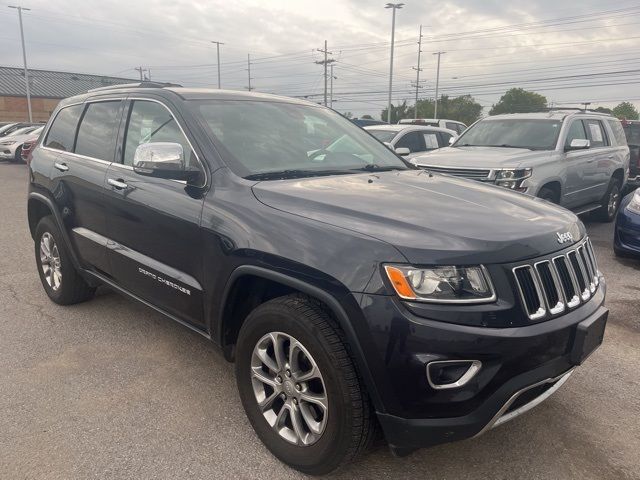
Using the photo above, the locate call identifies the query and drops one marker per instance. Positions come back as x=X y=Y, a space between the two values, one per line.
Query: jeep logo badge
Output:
x=564 y=237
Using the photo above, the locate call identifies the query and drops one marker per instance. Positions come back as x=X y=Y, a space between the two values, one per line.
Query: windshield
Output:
x=270 y=140
x=533 y=134
x=22 y=131
x=383 y=135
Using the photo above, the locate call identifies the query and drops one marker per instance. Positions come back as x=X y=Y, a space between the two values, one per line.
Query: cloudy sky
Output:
x=571 y=51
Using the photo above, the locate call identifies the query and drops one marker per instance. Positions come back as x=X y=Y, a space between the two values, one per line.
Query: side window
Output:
x=152 y=122
x=618 y=132
x=461 y=128
x=444 y=139
x=451 y=126
x=596 y=133
x=576 y=130
x=63 y=129
x=431 y=141
x=97 y=132
x=413 y=141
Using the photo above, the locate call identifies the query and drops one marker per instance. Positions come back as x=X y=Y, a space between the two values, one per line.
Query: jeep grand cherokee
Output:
x=353 y=291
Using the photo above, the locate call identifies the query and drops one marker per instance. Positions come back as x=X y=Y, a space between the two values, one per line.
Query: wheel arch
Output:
x=231 y=320
x=552 y=184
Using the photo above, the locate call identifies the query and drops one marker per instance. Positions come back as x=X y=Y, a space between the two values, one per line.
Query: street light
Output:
x=394 y=7
x=218 y=50
x=24 y=59
x=435 y=107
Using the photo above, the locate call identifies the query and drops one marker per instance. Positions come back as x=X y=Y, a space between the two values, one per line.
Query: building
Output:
x=47 y=88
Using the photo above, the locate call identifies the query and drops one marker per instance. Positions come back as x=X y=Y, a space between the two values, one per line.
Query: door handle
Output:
x=61 y=166
x=119 y=184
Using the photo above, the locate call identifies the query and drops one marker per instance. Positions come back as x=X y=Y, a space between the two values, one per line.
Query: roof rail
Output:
x=576 y=109
x=145 y=84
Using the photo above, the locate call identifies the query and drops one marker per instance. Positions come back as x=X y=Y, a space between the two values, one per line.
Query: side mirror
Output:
x=403 y=151
x=162 y=160
x=452 y=139
x=578 y=144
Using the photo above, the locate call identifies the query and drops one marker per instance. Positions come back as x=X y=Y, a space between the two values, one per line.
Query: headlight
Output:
x=512 y=177
x=8 y=142
x=634 y=204
x=448 y=284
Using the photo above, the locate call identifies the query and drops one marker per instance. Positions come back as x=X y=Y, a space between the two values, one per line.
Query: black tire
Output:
x=548 y=194
x=610 y=203
x=350 y=422
x=17 y=158
x=72 y=288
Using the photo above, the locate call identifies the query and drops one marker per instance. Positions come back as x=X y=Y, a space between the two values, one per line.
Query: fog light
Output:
x=446 y=374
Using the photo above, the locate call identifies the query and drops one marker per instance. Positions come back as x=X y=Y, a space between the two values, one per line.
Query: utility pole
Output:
x=435 y=108
x=218 y=51
x=331 y=91
x=24 y=59
x=418 y=70
x=325 y=62
x=249 y=71
x=394 y=7
x=141 y=70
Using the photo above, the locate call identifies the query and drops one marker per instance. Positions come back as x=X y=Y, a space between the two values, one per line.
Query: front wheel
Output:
x=610 y=202
x=299 y=386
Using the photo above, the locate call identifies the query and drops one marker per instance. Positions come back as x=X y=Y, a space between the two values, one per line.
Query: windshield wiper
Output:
x=374 y=167
x=294 y=173
x=506 y=145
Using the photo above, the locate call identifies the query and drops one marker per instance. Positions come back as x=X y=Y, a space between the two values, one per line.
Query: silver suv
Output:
x=577 y=159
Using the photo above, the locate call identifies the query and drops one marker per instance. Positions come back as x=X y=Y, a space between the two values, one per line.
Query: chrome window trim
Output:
x=541 y=312
x=119 y=164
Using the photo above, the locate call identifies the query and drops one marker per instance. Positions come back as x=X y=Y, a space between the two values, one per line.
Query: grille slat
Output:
x=549 y=287
x=473 y=174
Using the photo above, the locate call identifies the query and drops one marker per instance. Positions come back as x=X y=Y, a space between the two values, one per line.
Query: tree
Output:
x=463 y=108
x=348 y=114
x=518 y=100
x=626 y=110
x=604 y=110
x=397 y=112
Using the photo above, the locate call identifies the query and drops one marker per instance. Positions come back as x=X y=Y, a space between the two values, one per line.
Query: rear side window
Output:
x=596 y=133
x=97 y=133
x=618 y=131
x=452 y=126
x=63 y=129
x=413 y=141
x=431 y=141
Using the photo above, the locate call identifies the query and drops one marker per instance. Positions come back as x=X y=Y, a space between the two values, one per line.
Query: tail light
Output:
x=27 y=149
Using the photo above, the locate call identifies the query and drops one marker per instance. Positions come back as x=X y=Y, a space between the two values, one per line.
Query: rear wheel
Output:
x=299 y=386
x=59 y=277
x=610 y=202
x=17 y=158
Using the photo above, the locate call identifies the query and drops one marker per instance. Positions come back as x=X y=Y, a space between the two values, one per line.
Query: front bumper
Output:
x=521 y=367
x=627 y=230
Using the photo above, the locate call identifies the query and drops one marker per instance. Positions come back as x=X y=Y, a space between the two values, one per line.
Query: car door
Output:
x=602 y=159
x=414 y=141
x=579 y=168
x=83 y=155
x=155 y=243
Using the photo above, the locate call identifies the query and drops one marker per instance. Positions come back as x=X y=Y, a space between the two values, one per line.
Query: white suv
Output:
x=578 y=159
x=454 y=125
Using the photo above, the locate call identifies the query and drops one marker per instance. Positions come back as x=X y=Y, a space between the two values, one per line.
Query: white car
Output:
x=412 y=140
x=454 y=125
x=11 y=145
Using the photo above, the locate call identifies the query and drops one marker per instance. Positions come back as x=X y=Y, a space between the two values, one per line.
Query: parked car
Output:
x=365 y=122
x=627 y=231
x=11 y=145
x=632 y=133
x=454 y=125
x=350 y=288
x=11 y=128
x=577 y=159
x=412 y=140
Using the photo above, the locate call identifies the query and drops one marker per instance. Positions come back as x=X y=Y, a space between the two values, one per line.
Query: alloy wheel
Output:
x=289 y=388
x=50 y=261
x=614 y=198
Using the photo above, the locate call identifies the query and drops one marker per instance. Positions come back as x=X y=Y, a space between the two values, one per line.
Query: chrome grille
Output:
x=471 y=173
x=549 y=287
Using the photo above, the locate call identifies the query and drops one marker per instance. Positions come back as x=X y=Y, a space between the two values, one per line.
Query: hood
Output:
x=481 y=157
x=18 y=138
x=429 y=218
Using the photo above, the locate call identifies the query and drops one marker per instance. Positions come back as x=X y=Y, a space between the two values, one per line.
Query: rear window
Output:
x=63 y=129
x=384 y=135
x=96 y=136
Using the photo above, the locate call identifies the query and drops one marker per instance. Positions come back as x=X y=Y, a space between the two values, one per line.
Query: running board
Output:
x=587 y=208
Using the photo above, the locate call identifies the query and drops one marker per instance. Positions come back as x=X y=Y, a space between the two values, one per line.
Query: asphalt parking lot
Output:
x=111 y=389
